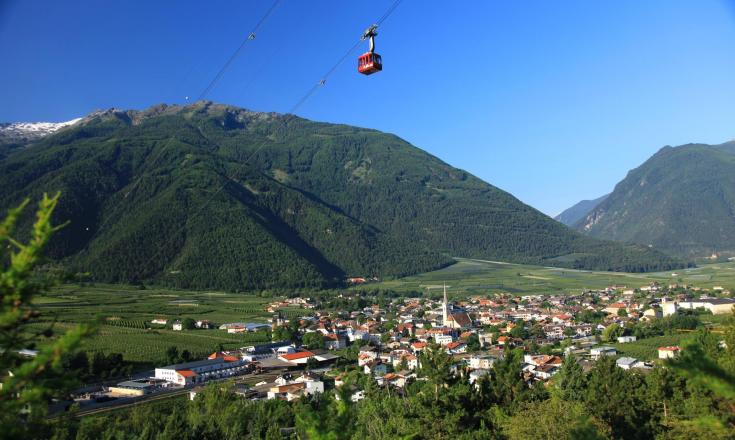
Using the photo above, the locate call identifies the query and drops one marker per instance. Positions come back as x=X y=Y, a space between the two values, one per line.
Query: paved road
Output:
x=129 y=402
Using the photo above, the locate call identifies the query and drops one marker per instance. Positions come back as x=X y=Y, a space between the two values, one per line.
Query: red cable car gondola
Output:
x=370 y=62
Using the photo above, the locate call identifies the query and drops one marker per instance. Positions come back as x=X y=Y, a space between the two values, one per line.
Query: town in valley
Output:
x=314 y=350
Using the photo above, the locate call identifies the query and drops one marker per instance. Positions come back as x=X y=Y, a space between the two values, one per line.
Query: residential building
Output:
x=668 y=352
x=481 y=362
x=598 y=352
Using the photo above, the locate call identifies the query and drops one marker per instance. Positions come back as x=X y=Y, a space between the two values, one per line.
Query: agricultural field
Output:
x=482 y=277
x=647 y=349
x=124 y=315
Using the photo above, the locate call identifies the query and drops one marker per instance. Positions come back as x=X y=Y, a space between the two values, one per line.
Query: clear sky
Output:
x=553 y=101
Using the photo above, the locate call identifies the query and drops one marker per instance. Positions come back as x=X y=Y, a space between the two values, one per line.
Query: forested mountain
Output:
x=572 y=215
x=681 y=200
x=208 y=195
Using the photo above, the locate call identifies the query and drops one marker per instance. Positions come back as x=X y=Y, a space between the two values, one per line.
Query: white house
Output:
x=442 y=339
x=313 y=384
x=456 y=347
x=626 y=363
x=626 y=339
x=668 y=308
x=483 y=362
x=375 y=368
x=668 y=352
x=475 y=375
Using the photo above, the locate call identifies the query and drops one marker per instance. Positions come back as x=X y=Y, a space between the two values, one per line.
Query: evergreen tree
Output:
x=27 y=384
x=571 y=380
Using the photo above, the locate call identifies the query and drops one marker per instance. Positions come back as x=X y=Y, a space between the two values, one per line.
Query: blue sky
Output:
x=551 y=101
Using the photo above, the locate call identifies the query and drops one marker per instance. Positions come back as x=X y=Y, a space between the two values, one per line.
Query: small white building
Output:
x=668 y=352
x=178 y=326
x=626 y=339
x=669 y=308
x=598 y=352
x=333 y=341
x=626 y=363
x=481 y=362
x=443 y=339
x=475 y=375
x=456 y=347
x=375 y=368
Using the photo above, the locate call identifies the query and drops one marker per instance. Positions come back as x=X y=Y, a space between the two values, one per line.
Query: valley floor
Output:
x=470 y=276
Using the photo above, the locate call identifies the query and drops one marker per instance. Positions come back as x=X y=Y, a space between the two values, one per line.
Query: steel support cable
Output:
x=251 y=36
x=323 y=81
x=242 y=166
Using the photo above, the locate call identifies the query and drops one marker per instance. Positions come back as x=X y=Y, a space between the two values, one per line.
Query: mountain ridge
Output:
x=680 y=200
x=573 y=214
x=287 y=201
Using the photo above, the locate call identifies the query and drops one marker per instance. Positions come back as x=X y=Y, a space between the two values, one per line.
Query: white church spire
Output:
x=445 y=308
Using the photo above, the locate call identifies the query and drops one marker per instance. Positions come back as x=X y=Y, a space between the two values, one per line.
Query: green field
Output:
x=482 y=277
x=124 y=313
x=647 y=349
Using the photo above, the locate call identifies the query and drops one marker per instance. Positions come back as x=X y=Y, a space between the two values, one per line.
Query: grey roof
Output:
x=715 y=301
x=194 y=364
x=326 y=356
x=132 y=384
x=268 y=347
x=626 y=361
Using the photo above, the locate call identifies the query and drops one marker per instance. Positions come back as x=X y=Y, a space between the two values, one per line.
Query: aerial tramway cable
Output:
x=251 y=36
x=322 y=82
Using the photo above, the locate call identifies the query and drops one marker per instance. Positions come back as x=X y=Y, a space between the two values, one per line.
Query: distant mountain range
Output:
x=213 y=196
x=15 y=135
x=681 y=201
x=572 y=215
x=25 y=132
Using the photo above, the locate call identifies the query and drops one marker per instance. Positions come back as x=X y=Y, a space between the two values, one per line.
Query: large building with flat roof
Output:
x=718 y=306
x=201 y=371
x=132 y=388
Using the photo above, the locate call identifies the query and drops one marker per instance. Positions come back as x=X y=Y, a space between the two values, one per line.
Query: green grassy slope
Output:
x=483 y=277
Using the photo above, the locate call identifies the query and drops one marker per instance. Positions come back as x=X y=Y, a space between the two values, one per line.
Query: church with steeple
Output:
x=452 y=319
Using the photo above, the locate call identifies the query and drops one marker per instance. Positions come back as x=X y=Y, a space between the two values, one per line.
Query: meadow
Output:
x=647 y=349
x=468 y=276
x=124 y=313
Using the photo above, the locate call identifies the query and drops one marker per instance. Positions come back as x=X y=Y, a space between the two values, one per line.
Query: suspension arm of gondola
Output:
x=370 y=34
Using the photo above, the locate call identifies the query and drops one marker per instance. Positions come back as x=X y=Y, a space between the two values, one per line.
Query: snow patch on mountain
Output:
x=31 y=131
